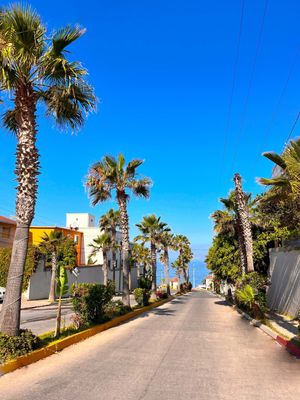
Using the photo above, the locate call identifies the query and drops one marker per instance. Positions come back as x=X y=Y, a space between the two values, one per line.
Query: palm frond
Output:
x=64 y=37
x=276 y=158
x=9 y=121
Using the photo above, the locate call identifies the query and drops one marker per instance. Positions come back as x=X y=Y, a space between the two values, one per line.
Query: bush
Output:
x=259 y=284
x=116 y=308
x=89 y=301
x=15 y=346
x=141 y=296
x=185 y=287
x=144 y=283
x=161 y=295
x=247 y=298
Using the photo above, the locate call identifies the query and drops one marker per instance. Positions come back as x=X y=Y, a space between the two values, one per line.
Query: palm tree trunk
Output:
x=121 y=197
x=53 y=277
x=105 y=268
x=243 y=215
x=242 y=252
x=58 y=318
x=153 y=265
x=27 y=166
x=166 y=262
x=113 y=255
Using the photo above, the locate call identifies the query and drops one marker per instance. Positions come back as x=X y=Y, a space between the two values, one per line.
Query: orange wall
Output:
x=37 y=232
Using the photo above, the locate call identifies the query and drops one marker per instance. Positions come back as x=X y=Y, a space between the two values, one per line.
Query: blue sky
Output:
x=163 y=72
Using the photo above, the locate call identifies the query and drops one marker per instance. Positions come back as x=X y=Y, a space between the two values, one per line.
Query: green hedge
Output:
x=33 y=257
x=12 y=347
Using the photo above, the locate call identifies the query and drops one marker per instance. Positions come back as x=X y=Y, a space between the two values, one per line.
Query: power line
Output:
x=292 y=129
x=234 y=76
x=245 y=108
x=281 y=96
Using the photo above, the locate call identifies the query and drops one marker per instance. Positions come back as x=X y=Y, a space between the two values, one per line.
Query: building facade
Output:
x=7 y=231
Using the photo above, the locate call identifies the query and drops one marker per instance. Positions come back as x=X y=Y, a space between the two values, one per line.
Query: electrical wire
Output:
x=234 y=78
x=253 y=69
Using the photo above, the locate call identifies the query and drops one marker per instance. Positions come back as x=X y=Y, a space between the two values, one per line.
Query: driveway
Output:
x=194 y=347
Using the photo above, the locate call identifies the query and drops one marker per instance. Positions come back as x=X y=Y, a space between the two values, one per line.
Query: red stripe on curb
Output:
x=282 y=341
x=290 y=346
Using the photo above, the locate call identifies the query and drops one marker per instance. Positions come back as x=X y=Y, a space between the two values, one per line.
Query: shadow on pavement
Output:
x=222 y=303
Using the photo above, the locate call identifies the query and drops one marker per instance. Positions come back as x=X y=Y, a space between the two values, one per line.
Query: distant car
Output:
x=2 y=293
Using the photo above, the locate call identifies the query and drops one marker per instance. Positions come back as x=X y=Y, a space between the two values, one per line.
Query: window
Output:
x=76 y=239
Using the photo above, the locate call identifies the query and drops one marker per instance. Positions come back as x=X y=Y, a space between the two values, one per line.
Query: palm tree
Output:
x=140 y=255
x=102 y=242
x=109 y=175
x=34 y=70
x=166 y=241
x=109 y=223
x=182 y=244
x=50 y=245
x=244 y=231
x=285 y=181
x=151 y=228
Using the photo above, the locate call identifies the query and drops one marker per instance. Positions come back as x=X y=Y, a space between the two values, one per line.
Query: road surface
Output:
x=42 y=319
x=195 y=347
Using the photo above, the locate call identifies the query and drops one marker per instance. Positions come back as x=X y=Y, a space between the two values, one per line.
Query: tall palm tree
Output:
x=50 y=245
x=166 y=242
x=109 y=223
x=111 y=174
x=285 y=181
x=34 y=69
x=141 y=257
x=151 y=228
x=245 y=231
x=102 y=243
x=182 y=244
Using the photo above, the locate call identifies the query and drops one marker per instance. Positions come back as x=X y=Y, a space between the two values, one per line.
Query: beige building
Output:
x=7 y=231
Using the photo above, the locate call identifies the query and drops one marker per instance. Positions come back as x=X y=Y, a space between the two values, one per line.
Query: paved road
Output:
x=42 y=319
x=195 y=347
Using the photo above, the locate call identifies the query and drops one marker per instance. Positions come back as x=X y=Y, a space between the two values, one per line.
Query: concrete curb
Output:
x=61 y=344
x=287 y=344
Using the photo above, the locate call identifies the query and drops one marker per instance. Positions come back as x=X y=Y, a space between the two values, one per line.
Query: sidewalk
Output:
x=286 y=326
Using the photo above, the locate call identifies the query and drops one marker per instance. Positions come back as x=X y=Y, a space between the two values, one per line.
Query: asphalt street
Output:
x=42 y=319
x=195 y=347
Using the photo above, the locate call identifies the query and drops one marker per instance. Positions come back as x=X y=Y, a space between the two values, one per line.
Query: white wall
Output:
x=39 y=283
x=80 y=220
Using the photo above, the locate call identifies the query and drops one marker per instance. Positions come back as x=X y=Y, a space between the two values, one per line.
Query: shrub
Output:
x=259 y=283
x=161 y=295
x=15 y=346
x=144 y=283
x=116 y=308
x=247 y=298
x=141 y=296
x=89 y=301
x=185 y=287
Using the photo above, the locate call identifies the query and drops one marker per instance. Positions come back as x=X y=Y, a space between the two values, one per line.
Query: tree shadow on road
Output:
x=222 y=303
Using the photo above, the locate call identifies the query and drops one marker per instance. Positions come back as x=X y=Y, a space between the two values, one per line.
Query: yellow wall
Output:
x=37 y=232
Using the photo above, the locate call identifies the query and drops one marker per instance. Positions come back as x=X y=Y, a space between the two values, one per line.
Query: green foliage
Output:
x=259 y=284
x=144 y=283
x=89 y=301
x=245 y=295
x=223 y=258
x=12 y=347
x=141 y=296
x=61 y=281
x=67 y=255
x=32 y=260
x=115 y=309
